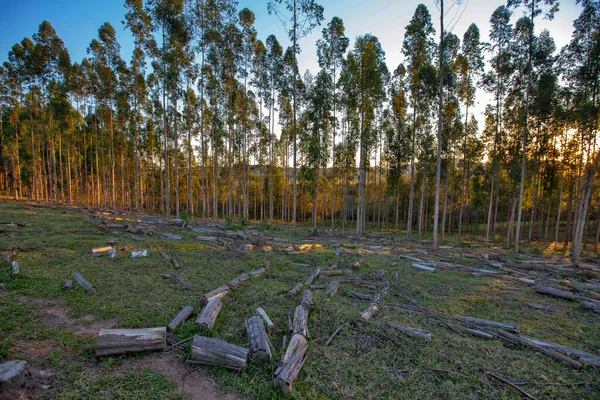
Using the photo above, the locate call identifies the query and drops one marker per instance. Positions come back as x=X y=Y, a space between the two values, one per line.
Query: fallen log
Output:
x=474 y=332
x=551 y=353
x=587 y=358
x=378 y=275
x=592 y=305
x=13 y=373
x=332 y=289
x=286 y=375
x=258 y=340
x=15 y=269
x=490 y=324
x=414 y=332
x=175 y=263
x=206 y=238
x=208 y=351
x=297 y=341
x=119 y=341
x=209 y=314
x=369 y=312
x=360 y=295
x=300 y=321
x=313 y=277
x=512 y=385
x=165 y=256
x=83 y=282
x=563 y=294
x=170 y=236
x=423 y=267
x=218 y=292
x=333 y=272
x=263 y=314
x=182 y=280
x=295 y=290
x=180 y=318
x=307 y=300
x=237 y=281
x=257 y=272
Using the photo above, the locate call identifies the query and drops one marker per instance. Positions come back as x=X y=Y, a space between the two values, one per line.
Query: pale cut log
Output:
x=182 y=280
x=297 y=341
x=263 y=314
x=218 y=292
x=313 y=277
x=414 y=332
x=332 y=289
x=307 y=299
x=100 y=250
x=12 y=374
x=257 y=272
x=180 y=318
x=551 y=353
x=175 y=263
x=369 y=312
x=295 y=290
x=423 y=267
x=563 y=294
x=237 y=281
x=206 y=238
x=258 y=339
x=210 y=351
x=83 y=282
x=15 y=269
x=209 y=314
x=300 y=321
x=587 y=358
x=490 y=324
x=592 y=305
x=119 y=341
x=287 y=374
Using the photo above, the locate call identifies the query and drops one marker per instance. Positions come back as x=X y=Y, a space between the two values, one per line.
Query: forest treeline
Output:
x=205 y=119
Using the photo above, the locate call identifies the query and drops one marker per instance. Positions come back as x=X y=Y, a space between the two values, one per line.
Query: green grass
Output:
x=365 y=361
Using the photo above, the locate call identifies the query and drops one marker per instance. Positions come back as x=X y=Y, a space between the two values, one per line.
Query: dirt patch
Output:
x=58 y=316
x=31 y=349
x=190 y=380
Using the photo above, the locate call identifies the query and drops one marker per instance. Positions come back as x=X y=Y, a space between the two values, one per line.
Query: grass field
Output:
x=54 y=329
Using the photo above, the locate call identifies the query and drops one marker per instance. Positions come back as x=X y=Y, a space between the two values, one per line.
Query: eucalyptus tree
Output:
x=533 y=9
x=365 y=79
x=417 y=49
x=495 y=83
x=330 y=51
x=261 y=82
x=298 y=18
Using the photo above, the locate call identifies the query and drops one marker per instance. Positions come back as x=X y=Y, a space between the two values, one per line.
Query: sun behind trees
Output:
x=205 y=117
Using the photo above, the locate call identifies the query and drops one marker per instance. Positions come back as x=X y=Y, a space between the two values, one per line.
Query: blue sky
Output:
x=77 y=23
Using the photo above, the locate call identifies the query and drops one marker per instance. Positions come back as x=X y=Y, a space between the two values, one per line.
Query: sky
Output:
x=77 y=23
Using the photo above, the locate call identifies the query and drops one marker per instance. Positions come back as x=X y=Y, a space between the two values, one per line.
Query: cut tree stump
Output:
x=209 y=314
x=286 y=375
x=551 y=353
x=15 y=269
x=119 y=341
x=313 y=277
x=307 y=299
x=300 y=321
x=332 y=288
x=263 y=314
x=414 y=332
x=218 y=292
x=258 y=340
x=489 y=324
x=180 y=318
x=182 y=280
x=563 y=294
x=83 y=282
x=210 y=351
x=295 y=290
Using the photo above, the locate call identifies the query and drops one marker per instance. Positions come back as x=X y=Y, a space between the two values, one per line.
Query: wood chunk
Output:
x=551 y=353
x=369 y=312
x=15 y=269
x=206 y=238
x=297 y=341
x=257 y=272
x=490 y=324
x=218 y=292
x=414 y=332
x=12 y=373
x=119 y=341
x=307 y=299
x=295 y=290
x=313 y=277
x=182 y=280
x=237 y=281
x=263 y=314
x=588 y=358
x=165 y=255
x=563 y=294
x=286 y=375
x=300 y=321
x=209 y=314
x=100 y=250
x=68 y=284
x=208 y=351
x=378 y=275
x=180 y=318
x=170 y=236
x=175 y=263
x=332 y=289
x=592 y=305
x=83 y=282
x=257 y=339
x=423 y=267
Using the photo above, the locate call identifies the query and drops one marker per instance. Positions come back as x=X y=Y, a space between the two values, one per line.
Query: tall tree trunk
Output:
x=438 y=169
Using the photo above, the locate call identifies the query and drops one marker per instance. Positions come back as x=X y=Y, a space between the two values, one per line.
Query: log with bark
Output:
x=313 y=277
x=414 y=332
x=548 y=290
x=206 y=238
x=307 y=299
x=175 y=263
x=119 y=341
x=218 y=292
x=423 y=267
x=295 y=290
x=180 y=318
x=286 y=375
x=260 y=346
x=332 y=289
x=297 y=341
x=89 y=288
x=263 y=314
x=551 y=353
x=489 y=324
x=587 y=358
x=237 y=281
x=369 y=312
x=378 y=275
x=209 y=351
x=209 y=314
x=592 y=305
x=300 y=321
x=258 y=272
x=182 y=280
